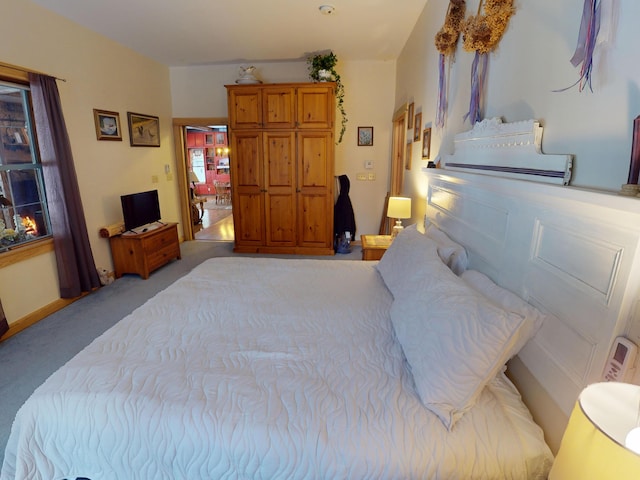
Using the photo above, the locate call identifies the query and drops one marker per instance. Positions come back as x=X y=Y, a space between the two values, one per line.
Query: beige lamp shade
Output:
x=193 y=177
x=399 y=207
x=593 y=445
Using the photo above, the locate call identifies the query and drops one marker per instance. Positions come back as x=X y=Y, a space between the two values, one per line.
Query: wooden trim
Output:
x=200 y=121
x=21 y=74
x=10 y=72
x=34 y=317
x=25 y=252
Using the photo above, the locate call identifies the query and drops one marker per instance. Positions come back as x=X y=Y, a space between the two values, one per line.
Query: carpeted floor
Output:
x=32 y=355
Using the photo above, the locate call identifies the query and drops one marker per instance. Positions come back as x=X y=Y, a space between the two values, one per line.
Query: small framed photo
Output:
x=144 y=130
x=407 y=156
x=410 y=117
x=365 y=136
x=107 y=125
x=417 y=127
x=220 y=138
x=426 y=143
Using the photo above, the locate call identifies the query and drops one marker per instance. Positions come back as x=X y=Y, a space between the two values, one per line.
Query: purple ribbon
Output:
x=589 y=28
x=442 y=94
x=478 y=76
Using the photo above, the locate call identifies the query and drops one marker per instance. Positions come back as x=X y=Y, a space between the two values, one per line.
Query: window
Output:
x=23 y=208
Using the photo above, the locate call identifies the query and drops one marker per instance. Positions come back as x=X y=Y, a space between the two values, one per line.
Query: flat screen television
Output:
x=140 y=209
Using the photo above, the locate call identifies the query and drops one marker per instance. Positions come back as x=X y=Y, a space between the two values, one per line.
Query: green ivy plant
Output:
x=328 y=61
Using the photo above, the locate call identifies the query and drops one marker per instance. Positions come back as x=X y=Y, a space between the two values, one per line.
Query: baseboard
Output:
x=34 y=317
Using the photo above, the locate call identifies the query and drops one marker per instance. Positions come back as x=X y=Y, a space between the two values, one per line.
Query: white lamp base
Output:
x=397 y=228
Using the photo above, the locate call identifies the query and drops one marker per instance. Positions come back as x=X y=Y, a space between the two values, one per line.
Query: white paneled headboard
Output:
x=574 y=254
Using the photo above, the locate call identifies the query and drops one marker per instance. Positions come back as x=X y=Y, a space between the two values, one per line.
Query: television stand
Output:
x=145 y=252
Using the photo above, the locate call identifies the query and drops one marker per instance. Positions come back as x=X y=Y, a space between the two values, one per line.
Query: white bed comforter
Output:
x=261 y=369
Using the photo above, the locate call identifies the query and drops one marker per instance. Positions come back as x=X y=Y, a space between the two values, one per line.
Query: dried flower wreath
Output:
x=446 y=40
x=447 y=37
x=481 y=34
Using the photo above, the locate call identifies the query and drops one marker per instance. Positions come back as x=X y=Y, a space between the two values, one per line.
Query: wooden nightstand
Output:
x=374 y=246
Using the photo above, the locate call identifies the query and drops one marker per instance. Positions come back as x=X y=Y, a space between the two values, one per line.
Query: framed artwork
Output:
x=407 y=156
x=365 y=136
x=220 y=138
x=426 y=143
x=144 y=130
x=107 y=125
x=417 y=127
x=410 y=117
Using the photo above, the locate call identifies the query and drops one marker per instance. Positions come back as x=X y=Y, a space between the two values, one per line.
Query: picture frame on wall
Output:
x=107 y=125
x=426 y=143
x=220 y=138
x=417 y=127
x=144 y=130
x=365 y=136
x=410 y=116
x=407 y=156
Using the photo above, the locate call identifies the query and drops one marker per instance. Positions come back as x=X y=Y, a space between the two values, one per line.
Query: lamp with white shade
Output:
x=398 y=208
x=601 y=439
x=193 y=178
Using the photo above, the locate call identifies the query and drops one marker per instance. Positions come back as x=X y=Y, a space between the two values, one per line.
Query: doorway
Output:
x=203 y=164
x=398 y=152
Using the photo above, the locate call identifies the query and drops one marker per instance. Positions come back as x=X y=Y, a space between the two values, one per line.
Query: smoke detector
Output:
x=326 y=9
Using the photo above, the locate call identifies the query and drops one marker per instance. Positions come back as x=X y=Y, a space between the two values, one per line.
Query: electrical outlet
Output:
x=372 y=176
x=368 y=164
x=361 y=176
x=154 y=178
x=169 y=177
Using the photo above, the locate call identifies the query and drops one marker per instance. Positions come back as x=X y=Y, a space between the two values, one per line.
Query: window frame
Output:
x=43 y=243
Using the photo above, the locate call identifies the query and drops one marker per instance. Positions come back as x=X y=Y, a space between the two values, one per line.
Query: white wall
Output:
x=369 y=86
x=99 y=74
x=531 y=61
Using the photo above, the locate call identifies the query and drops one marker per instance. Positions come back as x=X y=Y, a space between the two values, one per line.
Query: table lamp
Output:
x=398 y=208
x=193 y=178
x=601 y=439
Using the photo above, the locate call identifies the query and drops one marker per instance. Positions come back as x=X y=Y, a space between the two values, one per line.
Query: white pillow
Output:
x=452 y=253
x=409 y=248
x=509 y=301
x=454 y=339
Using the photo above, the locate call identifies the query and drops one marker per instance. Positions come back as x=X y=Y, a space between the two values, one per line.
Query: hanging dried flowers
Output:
x=446 y=41
x=481 y=34
x=447 y=37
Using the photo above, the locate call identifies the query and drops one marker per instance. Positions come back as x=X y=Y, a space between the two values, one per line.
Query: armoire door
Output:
x=248 y=188
x=279 y=181
x=315 y=189
x=278 y=108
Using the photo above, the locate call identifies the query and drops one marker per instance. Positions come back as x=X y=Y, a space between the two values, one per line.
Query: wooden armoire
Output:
x=282 y=167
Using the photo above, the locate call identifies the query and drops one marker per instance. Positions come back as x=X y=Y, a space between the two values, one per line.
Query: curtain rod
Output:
x=28 y=70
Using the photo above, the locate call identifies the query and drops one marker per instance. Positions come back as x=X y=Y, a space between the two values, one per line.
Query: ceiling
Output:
x=210 y=32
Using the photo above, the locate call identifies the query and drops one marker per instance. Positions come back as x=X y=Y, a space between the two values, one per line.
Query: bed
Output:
x=263 y=368
x=297 y=368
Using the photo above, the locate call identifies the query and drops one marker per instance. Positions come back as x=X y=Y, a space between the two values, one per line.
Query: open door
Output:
x=398 y=152
x=182 y=173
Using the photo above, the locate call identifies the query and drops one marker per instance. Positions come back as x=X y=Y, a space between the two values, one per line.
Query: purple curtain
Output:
x=76 y=268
